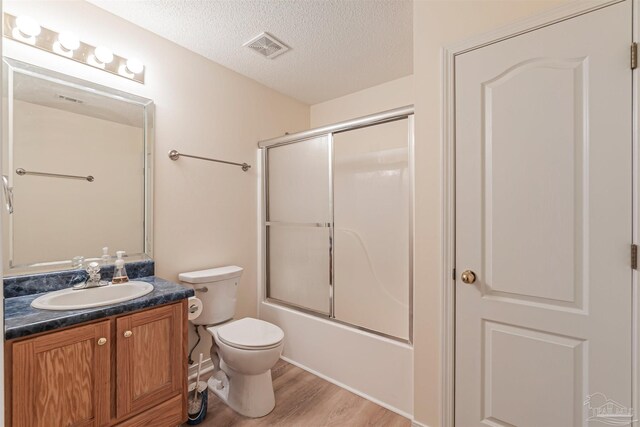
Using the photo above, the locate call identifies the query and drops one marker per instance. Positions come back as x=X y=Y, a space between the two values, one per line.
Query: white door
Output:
x=544 y=220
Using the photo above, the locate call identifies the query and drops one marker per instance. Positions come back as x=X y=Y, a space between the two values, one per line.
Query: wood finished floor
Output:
x=302 y=399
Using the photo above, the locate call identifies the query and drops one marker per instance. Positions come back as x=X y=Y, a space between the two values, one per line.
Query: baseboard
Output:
x=352 y=390
x=207 y=366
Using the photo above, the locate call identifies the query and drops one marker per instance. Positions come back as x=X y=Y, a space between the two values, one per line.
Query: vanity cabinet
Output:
x=63 y=378
x=149 y=358
x=125 y=370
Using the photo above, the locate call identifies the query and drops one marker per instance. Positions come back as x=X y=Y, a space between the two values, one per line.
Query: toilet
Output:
x=243 y=351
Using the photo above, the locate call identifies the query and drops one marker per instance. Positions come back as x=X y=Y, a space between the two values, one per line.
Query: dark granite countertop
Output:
x=18 y=286
x=22 y=320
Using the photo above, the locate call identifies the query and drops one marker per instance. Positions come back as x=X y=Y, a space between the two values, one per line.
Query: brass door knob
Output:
x=127 y=334
x=468 y=277
x=102 y=341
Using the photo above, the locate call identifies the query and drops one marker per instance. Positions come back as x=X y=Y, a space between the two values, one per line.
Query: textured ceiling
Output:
x=337 y=46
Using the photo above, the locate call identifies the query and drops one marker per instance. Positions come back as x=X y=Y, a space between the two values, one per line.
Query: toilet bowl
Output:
x=243 y=351
x=248 y=349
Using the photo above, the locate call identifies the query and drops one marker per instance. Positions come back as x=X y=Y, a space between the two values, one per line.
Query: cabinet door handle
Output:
x=102 y=341
x=127 y=334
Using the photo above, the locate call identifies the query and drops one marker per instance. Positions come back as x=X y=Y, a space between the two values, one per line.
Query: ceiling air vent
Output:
x=68 y=98
x=267 y=45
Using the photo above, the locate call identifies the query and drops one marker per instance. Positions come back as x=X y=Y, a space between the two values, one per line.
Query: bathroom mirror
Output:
x=77 y=171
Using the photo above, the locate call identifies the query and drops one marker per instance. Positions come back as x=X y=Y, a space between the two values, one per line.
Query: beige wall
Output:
x=205 y=213
x=386 y=96
x=438 y=24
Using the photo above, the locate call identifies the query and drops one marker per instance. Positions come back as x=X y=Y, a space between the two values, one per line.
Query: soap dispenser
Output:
x=120 y=272
x=105 y=258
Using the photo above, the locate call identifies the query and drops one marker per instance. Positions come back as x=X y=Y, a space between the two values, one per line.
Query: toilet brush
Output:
x=197 y=406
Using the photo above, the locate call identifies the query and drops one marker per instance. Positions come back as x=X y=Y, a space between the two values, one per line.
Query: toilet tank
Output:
x=217 y=289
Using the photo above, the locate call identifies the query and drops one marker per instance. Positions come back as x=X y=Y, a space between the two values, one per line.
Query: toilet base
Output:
x=248 y=395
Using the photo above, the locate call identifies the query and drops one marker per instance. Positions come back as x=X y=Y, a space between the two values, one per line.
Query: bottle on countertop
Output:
x=105 y=258
x=120 y=272
x=77 y=261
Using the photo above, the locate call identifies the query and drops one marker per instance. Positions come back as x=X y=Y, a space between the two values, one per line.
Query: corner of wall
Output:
x=386 y=96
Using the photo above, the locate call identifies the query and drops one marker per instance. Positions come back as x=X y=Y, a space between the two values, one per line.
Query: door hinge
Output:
x=634 y=56
x=634 y=257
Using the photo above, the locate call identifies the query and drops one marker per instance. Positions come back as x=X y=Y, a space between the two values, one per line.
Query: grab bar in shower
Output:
x=175 y=155
x=22 y=172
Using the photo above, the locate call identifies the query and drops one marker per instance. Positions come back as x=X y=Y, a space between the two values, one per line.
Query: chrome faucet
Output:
x=94 y=278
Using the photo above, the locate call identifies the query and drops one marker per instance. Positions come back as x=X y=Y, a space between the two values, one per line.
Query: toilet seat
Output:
x=250 y=334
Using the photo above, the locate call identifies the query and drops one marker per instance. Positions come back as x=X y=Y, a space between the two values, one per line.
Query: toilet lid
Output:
x=250 y=333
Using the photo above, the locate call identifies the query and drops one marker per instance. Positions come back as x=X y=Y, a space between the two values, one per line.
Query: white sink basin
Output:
x=70 y=299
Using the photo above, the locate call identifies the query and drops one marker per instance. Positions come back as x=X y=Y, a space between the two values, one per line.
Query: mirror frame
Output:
x=12 y=66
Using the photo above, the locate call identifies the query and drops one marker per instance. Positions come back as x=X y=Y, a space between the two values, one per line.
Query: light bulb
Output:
x=134 y=66
x=103 y=54
x=28 y=26
x=69 y=41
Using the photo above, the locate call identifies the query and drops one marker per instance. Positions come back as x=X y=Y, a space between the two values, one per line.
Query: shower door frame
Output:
x=406 y=112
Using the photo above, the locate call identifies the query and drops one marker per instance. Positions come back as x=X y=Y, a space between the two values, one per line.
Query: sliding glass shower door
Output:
x=299 y=218
x=337 y=225
x=372 y=236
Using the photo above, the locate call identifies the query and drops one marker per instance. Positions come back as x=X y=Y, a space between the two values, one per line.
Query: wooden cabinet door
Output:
x=63 y=378
x=150 y=358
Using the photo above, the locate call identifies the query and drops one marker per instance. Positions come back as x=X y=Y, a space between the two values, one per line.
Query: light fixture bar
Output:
x=99 y=57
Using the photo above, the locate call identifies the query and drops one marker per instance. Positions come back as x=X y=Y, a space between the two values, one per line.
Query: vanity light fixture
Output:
x=65 y=45
x=68 y=41
x=25 y=29
x=28 y=26
x=103 y=55
x=134 y=66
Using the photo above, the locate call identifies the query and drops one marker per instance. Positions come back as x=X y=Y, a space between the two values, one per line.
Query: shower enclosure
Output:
x=337 y=222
